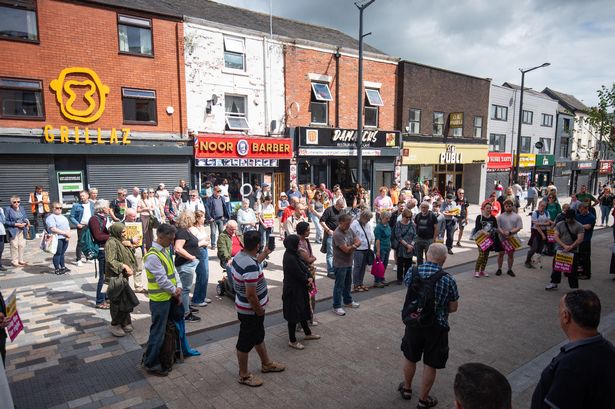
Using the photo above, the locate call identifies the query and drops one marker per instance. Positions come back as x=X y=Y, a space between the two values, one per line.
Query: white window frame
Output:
x=235 y=46
x=374 y=100
x=373 y=97
x=414 y=127
x=138 y=22
x=318 y=95
x=231 y=116
x=144 y=94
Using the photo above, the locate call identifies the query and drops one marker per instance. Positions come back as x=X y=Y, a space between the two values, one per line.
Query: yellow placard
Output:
x=134 y=229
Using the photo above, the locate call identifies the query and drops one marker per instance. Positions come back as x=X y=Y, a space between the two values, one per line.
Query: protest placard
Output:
x=15 y=325
x=484 y=241
x=511 y=244
x=550 y=235
x=134 y=229
x=563 y=261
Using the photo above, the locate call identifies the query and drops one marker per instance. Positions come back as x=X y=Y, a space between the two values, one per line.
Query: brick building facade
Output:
x=87 y=90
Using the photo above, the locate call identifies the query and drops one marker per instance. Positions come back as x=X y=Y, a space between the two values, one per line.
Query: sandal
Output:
x=358 y=289
x=250 y=380
x=272 y=367
x=430 y=402
x=406 y=394
x=296 y=345
x=103 y=306
x=364 y=288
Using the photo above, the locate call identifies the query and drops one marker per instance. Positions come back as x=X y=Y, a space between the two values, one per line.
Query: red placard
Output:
x=499 y=160
x=605 y=167
x=239 y=147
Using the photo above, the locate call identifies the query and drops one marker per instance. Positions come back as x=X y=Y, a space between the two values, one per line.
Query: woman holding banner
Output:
x=484 y=234
x=541 y=223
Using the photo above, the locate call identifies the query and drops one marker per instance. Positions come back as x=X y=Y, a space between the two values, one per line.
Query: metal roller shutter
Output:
x=492 y=177
x=19 y=175
x=107 y=174
x=562 y=184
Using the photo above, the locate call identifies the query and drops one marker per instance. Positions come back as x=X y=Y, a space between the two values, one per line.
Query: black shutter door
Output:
x=19 y=175
x=107 y=174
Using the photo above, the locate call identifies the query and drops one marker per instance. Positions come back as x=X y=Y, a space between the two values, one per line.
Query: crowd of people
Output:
x=416 y=224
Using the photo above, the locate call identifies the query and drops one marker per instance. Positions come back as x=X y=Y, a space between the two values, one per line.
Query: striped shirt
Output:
x=247 y=272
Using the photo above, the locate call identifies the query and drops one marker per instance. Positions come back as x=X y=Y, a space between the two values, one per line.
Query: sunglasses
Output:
x=121 y=194
x=58 y=208
x=16 y=201
x=193 y=195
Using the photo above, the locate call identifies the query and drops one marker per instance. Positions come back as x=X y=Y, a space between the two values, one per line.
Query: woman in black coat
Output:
x=295 y=296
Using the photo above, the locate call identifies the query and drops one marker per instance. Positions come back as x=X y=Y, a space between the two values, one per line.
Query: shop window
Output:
x=21 y=99
x=497 y=142
x=18 y=20
x=526 y=144
x=236 y=114
x=528 y=117
x=135 y=35
x=499 y=112
x=564 y=149
x=234 y=53
x=139 y=106
x=478 y=126
x=319 y=105
x=547 y=120
x=373 y=101
x=546 y=145
x=438 y=123
x=414 y=122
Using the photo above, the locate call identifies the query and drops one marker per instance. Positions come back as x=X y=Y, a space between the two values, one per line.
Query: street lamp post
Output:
x=361 y=7
x=518 y=154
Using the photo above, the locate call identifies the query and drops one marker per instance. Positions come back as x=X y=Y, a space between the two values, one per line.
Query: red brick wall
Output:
x=300 y=62
x=75 y=35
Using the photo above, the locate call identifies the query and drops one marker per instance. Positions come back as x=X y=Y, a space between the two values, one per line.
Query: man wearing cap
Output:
x=569 y=234
x=450 y=210
x=217 y=214
x=207 y=190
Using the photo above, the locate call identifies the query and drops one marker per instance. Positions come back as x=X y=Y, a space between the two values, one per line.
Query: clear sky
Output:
x=483 y=38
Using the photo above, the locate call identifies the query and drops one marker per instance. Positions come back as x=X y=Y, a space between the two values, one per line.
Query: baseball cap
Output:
x=266 y=184
x=449 y=196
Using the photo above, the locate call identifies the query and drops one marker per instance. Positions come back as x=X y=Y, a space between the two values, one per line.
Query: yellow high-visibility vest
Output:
x=154 y=291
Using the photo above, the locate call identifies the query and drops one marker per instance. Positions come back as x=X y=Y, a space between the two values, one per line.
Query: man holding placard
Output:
x=588 y=221
x=509 y=224
x=569 y=235
x=541 y=222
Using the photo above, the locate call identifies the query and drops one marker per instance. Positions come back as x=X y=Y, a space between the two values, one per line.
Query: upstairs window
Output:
x=547 y=120
x=438 y=123
x=139 y=106
x=18 y=20
x=528 y=117
x=319 y=104
x=497 y=142
x=21 y=99
x=135 y=35
x=374 y=100
x=526 y=144
x=236 y=114
x=234 y=53
x=455 y=122
x=546 y=145
x=499 y=112
x=566 y=125
x=478 y=126
x=414 y=123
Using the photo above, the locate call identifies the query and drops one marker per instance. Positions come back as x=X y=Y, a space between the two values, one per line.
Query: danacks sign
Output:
x=213 y=146
x=347 y=138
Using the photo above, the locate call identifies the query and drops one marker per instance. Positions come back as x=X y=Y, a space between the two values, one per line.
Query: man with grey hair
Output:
x=363 y=229
x=412 y=206
x=329 y=222
x=429 y=342
x=134 y=197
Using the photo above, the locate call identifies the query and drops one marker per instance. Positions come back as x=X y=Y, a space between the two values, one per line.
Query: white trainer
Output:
x=339 y=311
x=353 y=304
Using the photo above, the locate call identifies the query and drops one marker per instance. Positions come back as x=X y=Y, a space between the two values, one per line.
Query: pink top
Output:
x=382 y=203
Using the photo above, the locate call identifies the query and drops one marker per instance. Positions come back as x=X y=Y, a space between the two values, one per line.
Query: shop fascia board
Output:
x=18 y=148
x=440 y=140
x=283 y=40
x=106 y=133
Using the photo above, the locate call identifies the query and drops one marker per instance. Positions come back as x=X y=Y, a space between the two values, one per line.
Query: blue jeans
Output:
x=316 y=220
x=384 y=256
x=216 y=227
x=186 y=275
x=330 y=268
x=160 y=315
x=604 y=214
x=100 y=296
x=202 y=278
x=265 y=233
x=341 y=289
x=58 y=258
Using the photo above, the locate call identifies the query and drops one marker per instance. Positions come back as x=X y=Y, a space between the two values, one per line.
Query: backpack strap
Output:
x=434 y=278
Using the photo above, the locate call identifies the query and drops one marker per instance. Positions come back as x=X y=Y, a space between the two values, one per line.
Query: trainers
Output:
x=199 y=304
x=311 y=337
x=511 y=273
x=66 y=269
x=192 y=318
x=296 y=345
x=331 y=276
x=128 y=328
x=529 y=265
x=353 y=304
x=208 y=300
x=117 y=331
x=272 y=367
x=339 y=311
x=484 y=274
x=194 y=310
x=450 y=251
x=499 y=272
x=79 y=263
x=551 y=286
x=477 y=274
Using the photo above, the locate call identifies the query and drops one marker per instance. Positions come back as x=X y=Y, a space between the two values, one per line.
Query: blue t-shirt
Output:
x=59 y=222
x=587 y=219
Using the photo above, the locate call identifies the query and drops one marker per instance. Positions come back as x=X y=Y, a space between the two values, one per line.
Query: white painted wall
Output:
x=262 y=81
x=587 y=135
x=536 y=102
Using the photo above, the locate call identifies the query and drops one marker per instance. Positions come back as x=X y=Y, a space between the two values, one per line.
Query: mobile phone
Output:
x=271 y=243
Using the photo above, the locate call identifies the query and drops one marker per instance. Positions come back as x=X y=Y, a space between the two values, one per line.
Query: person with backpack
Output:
x=79 y=217
x=432 y=294
x=97 y=226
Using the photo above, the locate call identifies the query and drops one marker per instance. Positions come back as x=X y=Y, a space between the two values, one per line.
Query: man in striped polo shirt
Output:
x=250 y=300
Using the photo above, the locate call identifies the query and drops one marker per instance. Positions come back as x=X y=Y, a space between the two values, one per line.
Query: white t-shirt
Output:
x=86 y=213
x=133 y=201
x=39 y=198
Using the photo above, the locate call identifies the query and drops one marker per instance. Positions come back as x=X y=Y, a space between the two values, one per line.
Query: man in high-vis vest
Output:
x=163 y=284
x=39 y=203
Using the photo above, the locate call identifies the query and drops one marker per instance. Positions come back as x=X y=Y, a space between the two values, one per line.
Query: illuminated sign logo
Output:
x=66 y=87
x=242 y=147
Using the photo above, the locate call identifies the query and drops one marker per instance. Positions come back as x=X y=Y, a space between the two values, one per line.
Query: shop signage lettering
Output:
x=585 y=165
x=526 y=160
x=456 y=120
x=207 y=146
x=450 y=155
x=606 y=167
x=347 y=135
x=497 y=160
x=74 y=135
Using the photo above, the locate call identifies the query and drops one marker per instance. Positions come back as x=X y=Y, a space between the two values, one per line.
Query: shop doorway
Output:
x=383 y=179
x=279 y=186
x=446 y=173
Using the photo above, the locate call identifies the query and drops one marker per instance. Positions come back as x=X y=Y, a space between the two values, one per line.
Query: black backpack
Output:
x=168 y=352
x=420 y=304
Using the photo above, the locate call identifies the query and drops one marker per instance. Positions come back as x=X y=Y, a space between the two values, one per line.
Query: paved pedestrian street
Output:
x=67 y=358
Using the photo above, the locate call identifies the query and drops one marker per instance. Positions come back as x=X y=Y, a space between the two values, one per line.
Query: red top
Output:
x=237 y=246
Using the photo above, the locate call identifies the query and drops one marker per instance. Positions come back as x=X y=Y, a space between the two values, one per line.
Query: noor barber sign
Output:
x=347 y=138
